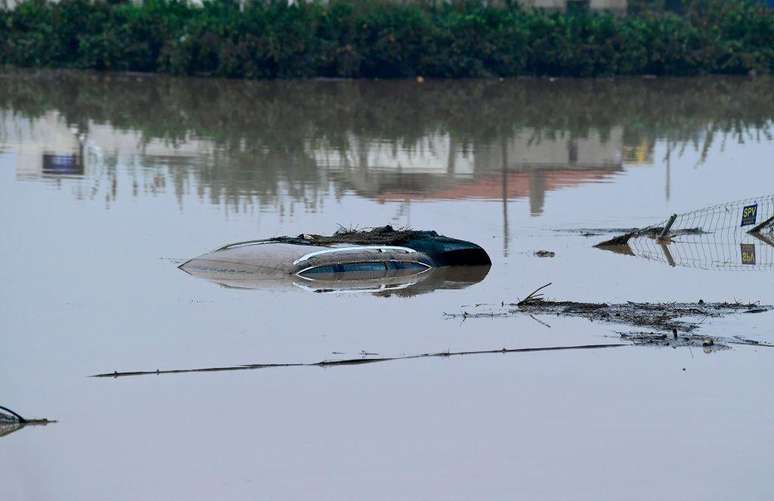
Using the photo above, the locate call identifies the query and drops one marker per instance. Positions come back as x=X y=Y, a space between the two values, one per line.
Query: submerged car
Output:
x=379 y=260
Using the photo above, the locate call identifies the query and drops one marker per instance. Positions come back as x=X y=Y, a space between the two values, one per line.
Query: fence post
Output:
x=668 y=227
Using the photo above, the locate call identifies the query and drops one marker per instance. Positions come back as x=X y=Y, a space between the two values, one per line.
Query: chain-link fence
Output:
x=731 y=236
x=729 y=220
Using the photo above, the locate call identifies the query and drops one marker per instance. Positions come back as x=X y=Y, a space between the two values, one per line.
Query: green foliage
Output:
x=387 y=39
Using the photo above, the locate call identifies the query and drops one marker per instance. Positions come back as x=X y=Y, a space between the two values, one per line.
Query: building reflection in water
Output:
x=436 y=167
x=525 y=165
x=278 y=144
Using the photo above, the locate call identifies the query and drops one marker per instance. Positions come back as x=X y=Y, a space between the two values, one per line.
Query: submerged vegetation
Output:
x=380 y=39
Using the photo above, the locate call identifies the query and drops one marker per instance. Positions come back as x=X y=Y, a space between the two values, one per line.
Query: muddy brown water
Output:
x=107 y=183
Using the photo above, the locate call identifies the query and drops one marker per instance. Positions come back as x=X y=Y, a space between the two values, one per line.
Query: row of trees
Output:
x=387 y=39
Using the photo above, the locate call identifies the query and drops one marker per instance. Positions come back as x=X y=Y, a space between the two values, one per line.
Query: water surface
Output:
x=108 y=182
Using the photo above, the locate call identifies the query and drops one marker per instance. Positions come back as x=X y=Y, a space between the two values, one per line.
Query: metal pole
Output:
x=668 y=227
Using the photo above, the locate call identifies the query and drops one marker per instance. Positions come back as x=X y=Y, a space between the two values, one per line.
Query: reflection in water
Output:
x=706 y=251
x=521 y=165
x=453 y=277
x=8 y=428
x=59 y=164
x=279 y=145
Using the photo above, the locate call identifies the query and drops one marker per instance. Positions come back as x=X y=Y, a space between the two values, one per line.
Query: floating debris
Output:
x=545 y=253
x=709 y=344
x=596 y=232
x=659 y=316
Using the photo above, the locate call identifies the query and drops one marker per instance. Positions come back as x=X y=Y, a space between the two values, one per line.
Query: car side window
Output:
x=406 y=265
x=319 y=270
x=361 y=267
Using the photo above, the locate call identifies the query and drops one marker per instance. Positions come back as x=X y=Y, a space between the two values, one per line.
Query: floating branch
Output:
x=360 y=361
x=533 y=296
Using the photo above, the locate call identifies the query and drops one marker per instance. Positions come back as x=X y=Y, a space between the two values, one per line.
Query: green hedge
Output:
x=383 y=39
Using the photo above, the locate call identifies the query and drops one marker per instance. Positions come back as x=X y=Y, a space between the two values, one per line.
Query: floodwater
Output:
x=107 y=183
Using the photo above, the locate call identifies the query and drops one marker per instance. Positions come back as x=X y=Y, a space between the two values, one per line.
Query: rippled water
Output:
x=108 y=182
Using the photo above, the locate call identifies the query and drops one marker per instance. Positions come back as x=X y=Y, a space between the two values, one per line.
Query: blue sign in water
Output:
x=749 y=215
